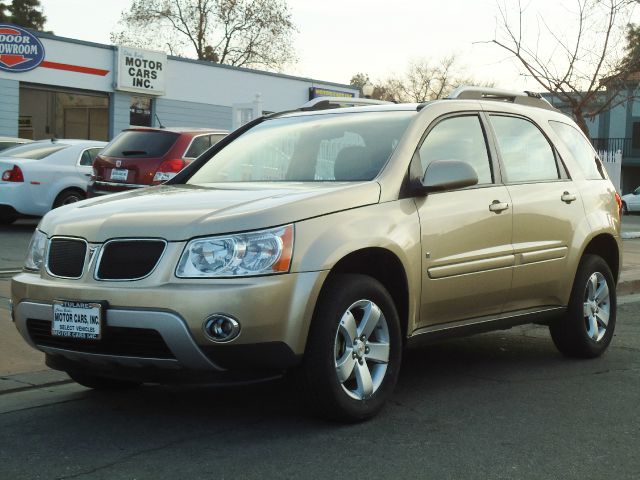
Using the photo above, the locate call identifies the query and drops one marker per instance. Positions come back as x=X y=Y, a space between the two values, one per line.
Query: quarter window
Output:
x=527 y=156
x=582 y=151
x=458 y=138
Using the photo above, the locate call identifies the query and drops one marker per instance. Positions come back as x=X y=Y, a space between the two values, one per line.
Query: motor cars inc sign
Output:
x=141 y=71
x=20 y=51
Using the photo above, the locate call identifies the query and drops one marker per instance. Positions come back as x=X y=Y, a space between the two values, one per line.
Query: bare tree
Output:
x=243 y=33
x=423 y=80
x=583 y=64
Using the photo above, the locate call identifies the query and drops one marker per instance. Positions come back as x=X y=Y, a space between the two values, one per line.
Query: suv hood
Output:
x=181 y=212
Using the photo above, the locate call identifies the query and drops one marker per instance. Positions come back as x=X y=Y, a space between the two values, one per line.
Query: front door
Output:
x=467 y=256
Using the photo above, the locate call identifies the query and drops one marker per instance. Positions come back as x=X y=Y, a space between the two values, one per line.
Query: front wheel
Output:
x=625 y=209
x=587 y=328
x=354 y=349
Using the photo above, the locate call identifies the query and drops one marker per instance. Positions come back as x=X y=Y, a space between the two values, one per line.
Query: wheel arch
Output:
x=384 y=266
x=605 y=246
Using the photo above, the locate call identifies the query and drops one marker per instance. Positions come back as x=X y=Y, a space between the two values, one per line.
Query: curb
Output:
x=32 y=380
x=629 y=235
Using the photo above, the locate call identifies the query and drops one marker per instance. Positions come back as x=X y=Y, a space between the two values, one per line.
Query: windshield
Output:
x=140 y=144
x=316 y=148
x=33 y=151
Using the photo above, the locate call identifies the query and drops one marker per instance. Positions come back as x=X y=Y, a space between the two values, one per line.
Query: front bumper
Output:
x=274 y=313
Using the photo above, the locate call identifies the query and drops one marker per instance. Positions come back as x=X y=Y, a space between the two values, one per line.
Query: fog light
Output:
x=221 y=328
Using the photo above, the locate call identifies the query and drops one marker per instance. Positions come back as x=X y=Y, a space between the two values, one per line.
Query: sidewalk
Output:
x=22 y=367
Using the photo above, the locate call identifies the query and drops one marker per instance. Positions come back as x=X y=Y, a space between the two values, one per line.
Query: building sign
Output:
x=315 y=92
x=20 y=50
x=141 y=71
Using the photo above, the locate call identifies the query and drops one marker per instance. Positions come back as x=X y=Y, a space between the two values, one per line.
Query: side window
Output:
x=458 y=138
x=213 y=139
x=198 y=146
x=527 y=156
x=581 y=149
x=88 y=156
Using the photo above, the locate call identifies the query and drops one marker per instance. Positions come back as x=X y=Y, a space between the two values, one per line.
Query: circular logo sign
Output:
x=20 y=51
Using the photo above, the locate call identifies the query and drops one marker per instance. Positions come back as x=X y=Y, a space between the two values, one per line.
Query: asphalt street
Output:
x=493 y=406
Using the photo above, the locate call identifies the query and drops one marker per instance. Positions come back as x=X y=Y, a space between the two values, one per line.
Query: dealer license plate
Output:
x=77 y=320
x=120 y=174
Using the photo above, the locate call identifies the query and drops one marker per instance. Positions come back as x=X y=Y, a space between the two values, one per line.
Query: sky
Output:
x=339 y=38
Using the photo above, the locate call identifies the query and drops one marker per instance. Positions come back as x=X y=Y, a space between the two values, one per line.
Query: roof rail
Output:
x=324 y=103
x=531 y=99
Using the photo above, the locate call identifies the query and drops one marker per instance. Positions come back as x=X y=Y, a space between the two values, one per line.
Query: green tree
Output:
x=27 y=13
x=249 y=33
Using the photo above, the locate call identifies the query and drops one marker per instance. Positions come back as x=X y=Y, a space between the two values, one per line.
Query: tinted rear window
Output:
x=140 y=144
x=33 y=151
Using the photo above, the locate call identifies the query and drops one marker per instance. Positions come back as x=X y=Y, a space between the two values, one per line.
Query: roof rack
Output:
x=324 y=103
x=531 y=99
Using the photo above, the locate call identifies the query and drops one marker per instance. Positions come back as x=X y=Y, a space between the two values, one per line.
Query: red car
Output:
x=140 y=157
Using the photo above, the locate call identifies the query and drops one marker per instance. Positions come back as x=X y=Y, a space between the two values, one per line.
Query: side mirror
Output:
x=448 y=175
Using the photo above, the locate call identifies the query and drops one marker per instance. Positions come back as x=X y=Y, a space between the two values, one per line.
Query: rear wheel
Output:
x=68 y=196
x=587 y=328
x=7 y=218
x=101 y=383
x=354 y=349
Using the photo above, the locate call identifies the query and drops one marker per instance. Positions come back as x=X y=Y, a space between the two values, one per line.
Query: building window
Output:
x=140 y=111
x=635 y=139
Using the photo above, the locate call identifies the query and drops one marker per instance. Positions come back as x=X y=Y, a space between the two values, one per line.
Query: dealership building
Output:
x=52 y=86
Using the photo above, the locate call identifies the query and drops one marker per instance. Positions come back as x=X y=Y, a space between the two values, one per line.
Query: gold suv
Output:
x=326 y=240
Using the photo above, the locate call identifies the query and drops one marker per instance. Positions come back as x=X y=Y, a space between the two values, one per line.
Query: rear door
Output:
x=467 y=256
x=547 y=208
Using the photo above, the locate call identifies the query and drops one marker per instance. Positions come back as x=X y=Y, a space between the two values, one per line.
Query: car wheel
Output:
x=587 y=328
x=7 y=218
x=68 y=196
x=353 y=351
x=625 y=209
x=101 y=383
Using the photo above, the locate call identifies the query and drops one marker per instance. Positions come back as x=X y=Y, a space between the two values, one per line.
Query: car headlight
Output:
x=254 y=253
x=35 y=253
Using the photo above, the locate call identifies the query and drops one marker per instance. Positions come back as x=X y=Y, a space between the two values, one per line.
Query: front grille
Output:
x=119 y=341
x=66 y=257
x=129 y=259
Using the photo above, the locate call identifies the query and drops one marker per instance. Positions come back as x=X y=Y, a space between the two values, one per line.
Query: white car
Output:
x=38 y=176
x=631 y=202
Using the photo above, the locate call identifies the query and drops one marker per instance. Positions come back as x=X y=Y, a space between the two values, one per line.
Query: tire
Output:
x=625 y=209
x=7 y=218
x=101 y=383
x=594 y=294
x=68 y=196
x=345 y=377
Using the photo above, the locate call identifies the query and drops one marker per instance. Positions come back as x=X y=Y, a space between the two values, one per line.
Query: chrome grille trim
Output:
x=48 y=253
x=116 y=240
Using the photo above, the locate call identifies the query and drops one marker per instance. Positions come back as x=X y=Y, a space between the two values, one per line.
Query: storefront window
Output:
x=140 y=111
x=48 y=113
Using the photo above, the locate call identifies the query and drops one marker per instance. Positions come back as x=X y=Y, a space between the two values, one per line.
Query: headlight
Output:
x=35 y=253
x=254 y=253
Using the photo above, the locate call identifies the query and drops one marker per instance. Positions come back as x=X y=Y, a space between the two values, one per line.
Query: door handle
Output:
x=568 y=197
x=497 y=206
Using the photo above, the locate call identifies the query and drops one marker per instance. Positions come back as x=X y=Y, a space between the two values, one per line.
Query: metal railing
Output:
x=615 y=144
